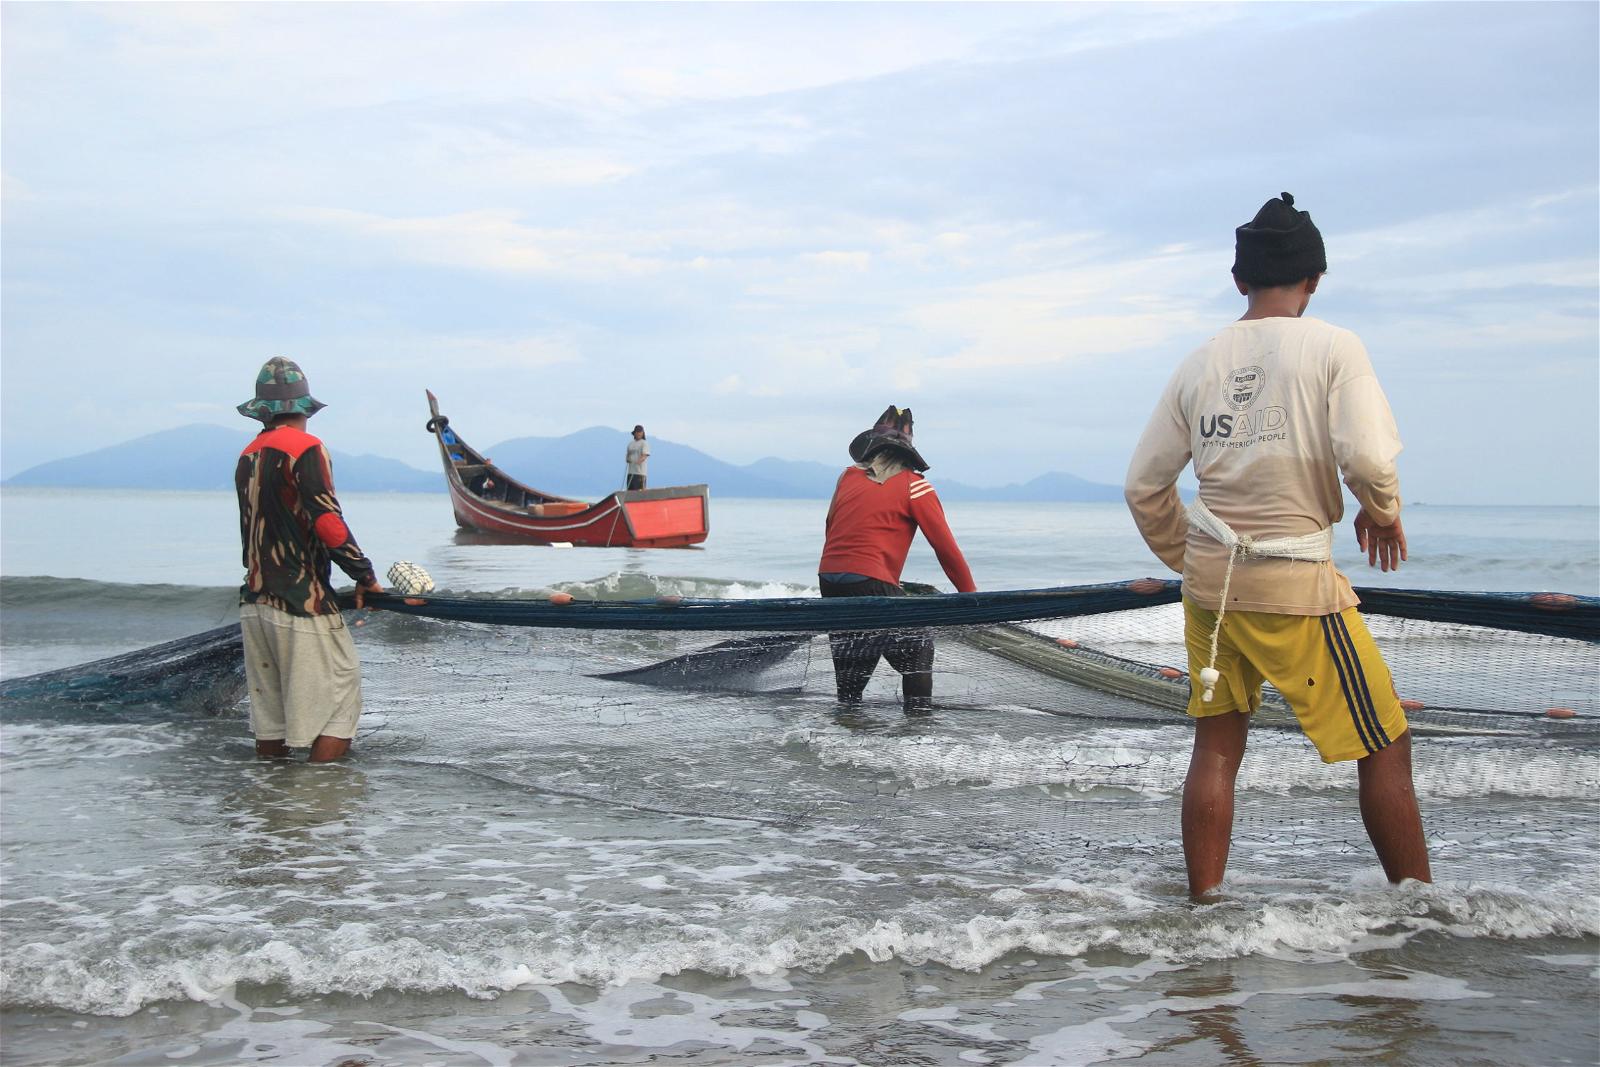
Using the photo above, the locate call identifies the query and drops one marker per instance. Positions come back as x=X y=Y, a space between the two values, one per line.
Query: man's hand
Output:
x=1385 y=546
x=369 y=586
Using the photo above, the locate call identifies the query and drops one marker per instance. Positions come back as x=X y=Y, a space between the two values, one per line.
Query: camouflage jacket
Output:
x=291 y=525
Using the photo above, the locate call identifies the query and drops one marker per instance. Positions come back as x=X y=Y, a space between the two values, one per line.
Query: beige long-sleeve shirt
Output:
x=1272 y=412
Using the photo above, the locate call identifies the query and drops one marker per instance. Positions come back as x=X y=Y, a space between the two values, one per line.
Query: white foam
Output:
x=1471 y=769
x=1088 y=1042
x=643 y=586
x=926 y=760
x=760 y=935
x=491 y=1054
x=28 y=745
x=943 y=1018
x=776 y=983
x=610 y=1019
x=1100 y=1039
x=1155 y=761
x=765 y=902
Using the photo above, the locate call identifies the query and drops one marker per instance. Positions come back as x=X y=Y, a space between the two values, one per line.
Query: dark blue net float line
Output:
x=1551 y=614
x=206 y=670
x=796 y=614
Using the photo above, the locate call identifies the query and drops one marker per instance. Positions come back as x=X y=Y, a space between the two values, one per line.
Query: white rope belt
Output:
x=1313 y=547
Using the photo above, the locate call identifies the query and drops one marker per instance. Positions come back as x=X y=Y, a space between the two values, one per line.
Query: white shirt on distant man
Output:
x=638 y=458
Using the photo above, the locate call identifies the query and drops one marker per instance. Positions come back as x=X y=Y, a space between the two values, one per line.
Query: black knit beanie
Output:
x=1280 y=246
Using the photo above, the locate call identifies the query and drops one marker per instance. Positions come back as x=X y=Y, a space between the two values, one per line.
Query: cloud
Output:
x=1518 y=218
x=845 y=261
x=753 y=219
x=502 y=354
x=489 y=159
x=1060 y=316
x=487 y=240
x=13 y=190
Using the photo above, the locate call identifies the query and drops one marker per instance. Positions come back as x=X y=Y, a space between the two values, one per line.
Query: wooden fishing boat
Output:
x=487 y=499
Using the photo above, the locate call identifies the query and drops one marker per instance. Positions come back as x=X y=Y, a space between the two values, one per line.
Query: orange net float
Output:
x=1560 y=713
x=1412 y=705
x=1066 y=642
x=1169 y=672
x=561 y=598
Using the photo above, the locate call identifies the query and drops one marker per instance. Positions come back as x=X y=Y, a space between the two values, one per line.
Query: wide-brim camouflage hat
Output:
x=892 y=430
x=281 y=389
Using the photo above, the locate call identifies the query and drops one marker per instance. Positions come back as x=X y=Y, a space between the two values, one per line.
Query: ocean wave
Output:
x=634 y=585
x=205 y=958
x=28 y=745
x=55 y=595
x=1155 y=761
x=619 y=585
x=51 y=623
x=43 y=593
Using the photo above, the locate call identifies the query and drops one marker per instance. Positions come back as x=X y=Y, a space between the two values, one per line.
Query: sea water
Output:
x=168 y=900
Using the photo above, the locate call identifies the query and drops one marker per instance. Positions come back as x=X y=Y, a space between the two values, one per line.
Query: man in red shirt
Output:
x=878 y=506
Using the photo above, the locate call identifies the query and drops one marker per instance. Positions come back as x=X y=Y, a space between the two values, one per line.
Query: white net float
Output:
x=409 y=579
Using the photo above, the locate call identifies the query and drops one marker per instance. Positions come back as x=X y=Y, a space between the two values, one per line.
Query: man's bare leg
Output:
x=1208 y=798
x=1389 y=810
x=278 y=749
x=326 y=749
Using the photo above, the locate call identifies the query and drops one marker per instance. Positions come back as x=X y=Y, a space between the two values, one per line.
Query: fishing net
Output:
x=1057 y=718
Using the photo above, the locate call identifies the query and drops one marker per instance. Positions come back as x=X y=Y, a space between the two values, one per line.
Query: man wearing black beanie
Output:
x=1273 y=410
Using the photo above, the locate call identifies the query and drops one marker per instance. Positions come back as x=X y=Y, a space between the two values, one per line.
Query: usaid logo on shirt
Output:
x=1243 y=387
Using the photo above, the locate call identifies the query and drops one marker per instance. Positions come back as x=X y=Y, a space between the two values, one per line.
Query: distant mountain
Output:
x=201 y=456
x=587 y=463
x=818 y=480
x=804 y=478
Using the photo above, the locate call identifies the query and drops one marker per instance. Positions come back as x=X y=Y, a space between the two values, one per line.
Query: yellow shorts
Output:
x=1326 y=666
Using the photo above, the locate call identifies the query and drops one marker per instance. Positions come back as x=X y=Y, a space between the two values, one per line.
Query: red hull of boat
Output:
x=640 y=519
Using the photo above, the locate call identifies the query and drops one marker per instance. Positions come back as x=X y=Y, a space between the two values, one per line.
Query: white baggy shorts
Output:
x=302 y=673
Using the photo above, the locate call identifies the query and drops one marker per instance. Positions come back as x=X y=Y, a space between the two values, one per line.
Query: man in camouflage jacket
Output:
x=300 y=663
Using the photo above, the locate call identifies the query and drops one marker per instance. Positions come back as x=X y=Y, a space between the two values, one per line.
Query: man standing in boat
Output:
x=638 y=457
x=1272 y=410
x=300 y=663
x=878 y=506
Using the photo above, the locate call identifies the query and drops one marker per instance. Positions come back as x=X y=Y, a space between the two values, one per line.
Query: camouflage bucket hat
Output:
x=281 y=389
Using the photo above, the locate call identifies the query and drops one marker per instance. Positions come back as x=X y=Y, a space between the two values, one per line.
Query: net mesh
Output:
x=1057 y=718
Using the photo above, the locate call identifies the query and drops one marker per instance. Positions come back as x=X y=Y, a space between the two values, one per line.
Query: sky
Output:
x=752 y=226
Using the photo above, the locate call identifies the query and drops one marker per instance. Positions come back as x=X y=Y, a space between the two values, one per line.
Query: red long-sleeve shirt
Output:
x=870 y=527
